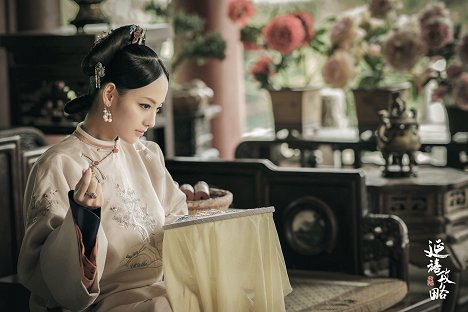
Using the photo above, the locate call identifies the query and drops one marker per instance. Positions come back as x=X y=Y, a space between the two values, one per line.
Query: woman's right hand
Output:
x=88 y=192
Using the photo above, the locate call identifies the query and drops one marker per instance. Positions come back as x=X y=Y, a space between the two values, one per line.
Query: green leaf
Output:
x=369 y=82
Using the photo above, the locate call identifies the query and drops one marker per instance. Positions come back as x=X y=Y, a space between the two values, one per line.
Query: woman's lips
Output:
x=140 y=133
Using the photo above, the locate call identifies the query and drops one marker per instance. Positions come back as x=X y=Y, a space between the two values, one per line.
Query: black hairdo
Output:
x=127 y=65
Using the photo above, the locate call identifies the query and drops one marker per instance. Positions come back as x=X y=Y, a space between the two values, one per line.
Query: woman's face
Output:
x=134 y=112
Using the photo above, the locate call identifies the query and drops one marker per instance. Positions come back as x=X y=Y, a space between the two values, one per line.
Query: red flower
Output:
x=284 y=33
x=308 y=24
x=239 y=11
x=263 y=66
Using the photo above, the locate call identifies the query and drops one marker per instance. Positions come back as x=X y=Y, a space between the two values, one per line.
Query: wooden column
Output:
x=224 y=77
x=33 y=15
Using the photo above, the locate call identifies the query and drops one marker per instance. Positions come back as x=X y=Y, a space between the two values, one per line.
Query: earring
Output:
x=106 y=115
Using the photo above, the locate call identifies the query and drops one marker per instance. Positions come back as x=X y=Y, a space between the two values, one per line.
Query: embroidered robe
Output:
x=139 y=197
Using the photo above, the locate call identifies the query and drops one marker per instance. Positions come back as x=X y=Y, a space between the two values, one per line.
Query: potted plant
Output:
x=377 y=52
x=282 y=46
x=373 y=50
x=448 y=68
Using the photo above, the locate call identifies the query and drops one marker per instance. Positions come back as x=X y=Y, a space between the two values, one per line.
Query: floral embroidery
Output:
x=146 y=256
x=41 y=205
x=133 y=213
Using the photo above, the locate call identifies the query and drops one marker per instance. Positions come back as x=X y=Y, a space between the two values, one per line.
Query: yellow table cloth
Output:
x=230 y=261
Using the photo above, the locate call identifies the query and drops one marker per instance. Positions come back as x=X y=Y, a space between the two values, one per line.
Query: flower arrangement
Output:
x=282 y=44
x=373 y=46
x=370 y=42
x=448 y=57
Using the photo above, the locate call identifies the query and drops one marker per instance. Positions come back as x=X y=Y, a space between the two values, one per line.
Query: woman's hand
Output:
x=88 y=192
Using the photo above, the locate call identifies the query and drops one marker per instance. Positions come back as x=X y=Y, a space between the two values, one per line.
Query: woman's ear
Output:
x=109 y=92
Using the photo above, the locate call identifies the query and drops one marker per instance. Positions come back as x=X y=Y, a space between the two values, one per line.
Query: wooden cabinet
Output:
x=44 y=70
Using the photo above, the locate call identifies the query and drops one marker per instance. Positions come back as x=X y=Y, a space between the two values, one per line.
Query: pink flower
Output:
x=433 y=11
x=343 y=32
x=403 y=48
x=380 y=8
x=263 y=66
x=239 y=11
x=437 y=32
x=308 y=24
x=460 y=91
x=338 y=69
x=284 y=33
x=462 y=49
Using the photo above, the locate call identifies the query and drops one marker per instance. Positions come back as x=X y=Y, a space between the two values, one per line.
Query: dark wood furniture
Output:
x=192 y=131
x=19 y=148
x=256 y=184
x=11 y=216
x=306 y=193
x=44 y=72
x=267 y=147
x=15 y=148
x=434 y=205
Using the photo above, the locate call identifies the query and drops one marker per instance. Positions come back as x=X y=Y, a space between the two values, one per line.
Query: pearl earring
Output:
x=106 y=115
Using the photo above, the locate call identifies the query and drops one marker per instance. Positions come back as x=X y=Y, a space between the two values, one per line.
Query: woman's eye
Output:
x=158 y=110
x=145 y=106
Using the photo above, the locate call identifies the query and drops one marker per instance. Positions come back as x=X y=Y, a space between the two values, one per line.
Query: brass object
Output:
x=89 y=13
x=398 y=135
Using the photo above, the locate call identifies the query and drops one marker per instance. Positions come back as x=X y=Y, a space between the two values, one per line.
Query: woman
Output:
x=95 y=203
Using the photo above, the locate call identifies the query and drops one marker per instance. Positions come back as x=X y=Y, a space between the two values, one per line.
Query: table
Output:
x=340 y=139
x=230 y=261
x=434 y=205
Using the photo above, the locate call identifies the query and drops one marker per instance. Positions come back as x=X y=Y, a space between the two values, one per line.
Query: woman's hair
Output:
x=127 y=64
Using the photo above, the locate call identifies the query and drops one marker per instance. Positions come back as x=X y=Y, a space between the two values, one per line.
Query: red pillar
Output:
x=224 y=77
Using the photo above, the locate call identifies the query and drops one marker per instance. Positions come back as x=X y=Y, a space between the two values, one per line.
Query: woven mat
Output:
x=339 y=292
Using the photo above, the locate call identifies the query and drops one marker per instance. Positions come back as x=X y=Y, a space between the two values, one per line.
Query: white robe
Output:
x=139 y=197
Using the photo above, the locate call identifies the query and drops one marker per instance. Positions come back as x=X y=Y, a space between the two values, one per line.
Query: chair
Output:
x=19 y=149
x=11 y=217
x=323 y=227
x=31 y=137
x=14 y=296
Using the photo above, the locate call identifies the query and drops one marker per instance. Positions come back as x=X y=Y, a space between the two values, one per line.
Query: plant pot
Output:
x=368 y=103
x=457 y=119
x=296 y=109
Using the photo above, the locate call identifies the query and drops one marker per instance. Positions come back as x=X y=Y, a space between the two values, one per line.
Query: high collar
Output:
x=92 y=141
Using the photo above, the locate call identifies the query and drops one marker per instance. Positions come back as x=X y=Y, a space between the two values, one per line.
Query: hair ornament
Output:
x=137 y=35
x=99 y=72
x=102 y=35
